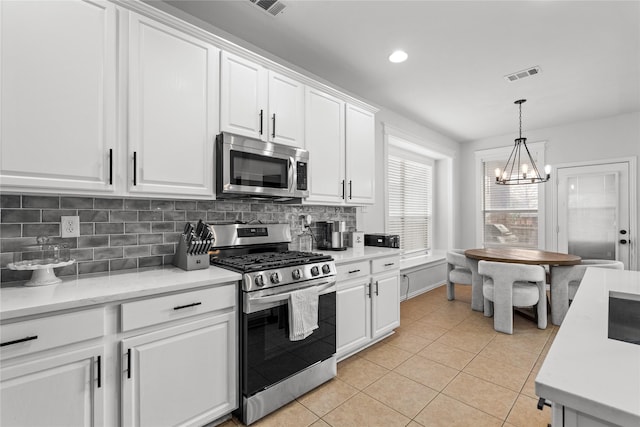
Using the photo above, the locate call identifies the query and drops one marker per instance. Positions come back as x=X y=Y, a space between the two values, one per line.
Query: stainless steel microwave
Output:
x=247 y=167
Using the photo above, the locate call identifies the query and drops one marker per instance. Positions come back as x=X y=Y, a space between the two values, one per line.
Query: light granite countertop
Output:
x=18 y=300
x=584 y=369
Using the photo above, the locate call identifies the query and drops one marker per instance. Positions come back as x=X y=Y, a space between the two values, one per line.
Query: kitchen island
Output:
x=593 y=380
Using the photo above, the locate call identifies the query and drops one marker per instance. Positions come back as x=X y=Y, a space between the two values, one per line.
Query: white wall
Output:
x=607 y=138
x=446 y=220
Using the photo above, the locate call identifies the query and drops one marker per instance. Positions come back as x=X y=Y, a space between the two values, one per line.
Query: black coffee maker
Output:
x=331 y=235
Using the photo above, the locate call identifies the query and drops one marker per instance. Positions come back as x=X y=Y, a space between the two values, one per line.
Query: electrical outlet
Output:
x=69 y=226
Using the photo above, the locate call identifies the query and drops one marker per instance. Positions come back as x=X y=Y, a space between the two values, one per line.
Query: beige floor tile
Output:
x=427 y=372
x=529 y=388
x=531 y=342
x=472 y=342
x=449 y=356
x=400 y=393
x=414 y=424
x=444 y=318
x=444 y=411
x=525 y=413
x=363 y=410
x=497 y=372
x=423 y=330
x=408 y=342
x=320 y=423
x=328 y=396
x=360 y=372
x=501 y=352
x=386 y=355
x=483 y=395
x=291 y=415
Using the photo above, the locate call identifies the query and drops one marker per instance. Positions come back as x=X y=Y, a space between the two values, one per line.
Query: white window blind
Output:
x=409 y=185
x=510 y=212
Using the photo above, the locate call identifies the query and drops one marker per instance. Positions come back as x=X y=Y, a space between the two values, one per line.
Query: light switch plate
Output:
x=69 y=226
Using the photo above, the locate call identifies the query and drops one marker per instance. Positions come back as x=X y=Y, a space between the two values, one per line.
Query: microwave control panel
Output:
x=301 y=173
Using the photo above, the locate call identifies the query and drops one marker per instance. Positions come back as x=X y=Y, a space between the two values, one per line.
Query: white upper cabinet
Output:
x=58 y=96
x=360 y=156
x=259 y=103
x=173 y=80
x=341 y=142
x=324 y=139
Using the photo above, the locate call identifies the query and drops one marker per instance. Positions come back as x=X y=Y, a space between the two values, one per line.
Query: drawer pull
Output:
x=180 y=307
x=99 y=371
x=354 y=271
x=389 y=264
x=35 y=337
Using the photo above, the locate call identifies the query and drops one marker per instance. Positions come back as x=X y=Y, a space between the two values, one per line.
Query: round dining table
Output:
x=512 y=255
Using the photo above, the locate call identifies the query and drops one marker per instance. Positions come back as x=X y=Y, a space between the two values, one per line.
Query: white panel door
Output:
x=57 y=125
x=593 y=211
x=353 y=317
x=360 y=156
x=286 y=110
x=324 y=139
x=182 y=375
x=173 y=110
x=243 y=97
x=386 y=304
x=61 y=390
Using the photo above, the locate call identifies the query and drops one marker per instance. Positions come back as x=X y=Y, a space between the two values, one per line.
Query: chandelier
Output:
x=520 y=167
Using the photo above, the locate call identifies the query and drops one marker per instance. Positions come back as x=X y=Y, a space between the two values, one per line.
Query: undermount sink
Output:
x=624 y=317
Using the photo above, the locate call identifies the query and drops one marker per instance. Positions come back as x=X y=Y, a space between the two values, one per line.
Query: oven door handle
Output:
x=257 y=303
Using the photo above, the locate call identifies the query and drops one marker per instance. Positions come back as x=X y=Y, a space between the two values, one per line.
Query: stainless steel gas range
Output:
x=274 y=369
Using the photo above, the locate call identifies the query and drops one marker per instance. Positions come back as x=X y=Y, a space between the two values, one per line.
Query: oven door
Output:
x=255 y=168
x=267 y=354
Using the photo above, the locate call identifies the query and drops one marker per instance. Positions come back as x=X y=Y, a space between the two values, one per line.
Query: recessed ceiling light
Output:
x=398 y=56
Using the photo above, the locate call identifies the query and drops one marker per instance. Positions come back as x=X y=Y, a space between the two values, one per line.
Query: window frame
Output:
x=399 y=141
x=537 y=150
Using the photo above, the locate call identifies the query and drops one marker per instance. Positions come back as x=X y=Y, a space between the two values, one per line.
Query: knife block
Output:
x=188 y=262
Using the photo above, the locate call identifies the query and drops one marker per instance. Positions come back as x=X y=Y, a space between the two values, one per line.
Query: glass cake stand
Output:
x=41 y=259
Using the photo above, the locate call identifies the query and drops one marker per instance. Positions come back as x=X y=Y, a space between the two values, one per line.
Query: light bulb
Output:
x=547 y=169
x=497 y=171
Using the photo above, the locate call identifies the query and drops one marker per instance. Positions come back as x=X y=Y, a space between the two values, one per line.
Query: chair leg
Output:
x=451 y=292
x=488 y=308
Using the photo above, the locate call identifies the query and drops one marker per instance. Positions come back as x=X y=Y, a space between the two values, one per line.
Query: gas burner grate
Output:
x=268 y=260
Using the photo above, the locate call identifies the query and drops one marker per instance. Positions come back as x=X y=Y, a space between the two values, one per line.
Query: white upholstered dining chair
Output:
x=508 y=285
x=565 y=281
x=458 y=271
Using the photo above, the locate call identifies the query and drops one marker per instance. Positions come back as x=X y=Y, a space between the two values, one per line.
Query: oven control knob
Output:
x=296 y=274
x=275 y=278
x=315 y=271
x=326 y=269
x=259 y=280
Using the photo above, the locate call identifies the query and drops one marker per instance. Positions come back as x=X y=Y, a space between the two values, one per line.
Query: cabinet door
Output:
x=324 y=139
x=360 y=157
x=65 y=389
x=353 y=317
x=243 y=96
x=58 y=75
x=173 y=110
x=286 y=110
x=182 y=375
x=386 y=304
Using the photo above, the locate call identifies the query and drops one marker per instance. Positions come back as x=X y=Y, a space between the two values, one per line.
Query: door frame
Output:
x=633 y=202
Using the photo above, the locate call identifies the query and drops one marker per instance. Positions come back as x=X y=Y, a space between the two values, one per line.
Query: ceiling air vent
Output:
x=273 y=7
x=532 y=71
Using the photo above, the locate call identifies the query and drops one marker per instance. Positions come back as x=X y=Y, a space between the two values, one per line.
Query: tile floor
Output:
x=444 y=366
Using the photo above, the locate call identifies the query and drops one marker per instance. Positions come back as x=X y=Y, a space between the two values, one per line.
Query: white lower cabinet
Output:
x=53 y=370
x=62 y=389
x=353 y=315
x=181 y=375
x=368 y=303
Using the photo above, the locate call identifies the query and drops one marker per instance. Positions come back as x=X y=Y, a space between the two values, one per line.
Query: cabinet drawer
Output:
x=352 y=270
x=148 y=312
x=385 y=264
x=48 y=332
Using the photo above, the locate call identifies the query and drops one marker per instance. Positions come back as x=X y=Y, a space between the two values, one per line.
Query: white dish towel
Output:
x=303 y=313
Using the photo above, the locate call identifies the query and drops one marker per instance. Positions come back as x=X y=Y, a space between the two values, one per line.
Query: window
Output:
x=510 y=214
x=409 y=189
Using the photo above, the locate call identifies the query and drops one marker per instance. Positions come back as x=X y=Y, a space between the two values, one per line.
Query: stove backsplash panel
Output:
x=127 y=233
